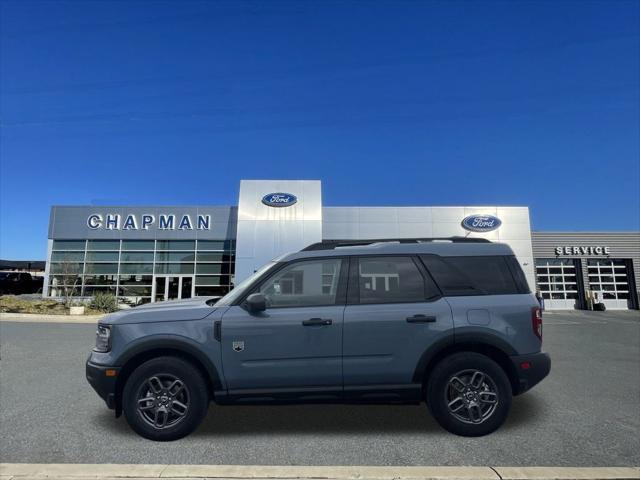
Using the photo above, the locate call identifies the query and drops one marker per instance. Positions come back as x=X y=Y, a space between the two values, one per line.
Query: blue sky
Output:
x=402 y=103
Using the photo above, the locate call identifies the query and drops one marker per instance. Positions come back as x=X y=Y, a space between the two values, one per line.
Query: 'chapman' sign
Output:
x=583 y=250
x=145 y=222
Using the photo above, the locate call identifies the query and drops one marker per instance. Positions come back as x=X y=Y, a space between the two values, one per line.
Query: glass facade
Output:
x=139 y=271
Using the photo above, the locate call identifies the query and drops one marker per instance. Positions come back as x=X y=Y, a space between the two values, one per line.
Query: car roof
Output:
x=445 y=248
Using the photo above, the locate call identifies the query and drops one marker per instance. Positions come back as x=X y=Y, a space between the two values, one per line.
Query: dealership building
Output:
x=157 y=253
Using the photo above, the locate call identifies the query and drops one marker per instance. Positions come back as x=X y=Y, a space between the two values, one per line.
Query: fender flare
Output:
x=172 y=342
x=485 y=338
x=455 y=338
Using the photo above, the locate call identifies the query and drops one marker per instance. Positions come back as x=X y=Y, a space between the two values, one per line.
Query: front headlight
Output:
x=103 y=339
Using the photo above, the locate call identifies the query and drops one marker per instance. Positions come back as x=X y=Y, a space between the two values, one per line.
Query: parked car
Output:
x=449 y=323
x=17 y=283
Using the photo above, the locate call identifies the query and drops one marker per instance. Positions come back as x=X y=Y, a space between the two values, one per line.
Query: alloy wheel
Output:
x=163 y=401
x=471 y=396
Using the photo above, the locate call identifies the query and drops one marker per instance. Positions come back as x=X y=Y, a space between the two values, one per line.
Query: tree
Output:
x=68 y=278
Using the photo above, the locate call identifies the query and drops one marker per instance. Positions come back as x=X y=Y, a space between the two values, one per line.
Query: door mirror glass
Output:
x=256 y=303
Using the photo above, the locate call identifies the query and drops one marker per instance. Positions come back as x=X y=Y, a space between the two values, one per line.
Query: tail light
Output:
x=536 y=321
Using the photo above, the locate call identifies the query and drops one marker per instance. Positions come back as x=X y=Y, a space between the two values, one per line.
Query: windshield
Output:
x=237 y=292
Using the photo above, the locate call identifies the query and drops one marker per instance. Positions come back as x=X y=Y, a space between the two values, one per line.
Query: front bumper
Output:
x=104 y=385
x=531 y=369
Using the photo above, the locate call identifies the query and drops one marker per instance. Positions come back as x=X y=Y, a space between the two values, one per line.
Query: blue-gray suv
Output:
x=449 y=322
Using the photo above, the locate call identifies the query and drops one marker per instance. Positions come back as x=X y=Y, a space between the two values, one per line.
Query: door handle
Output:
x=317 y=322
x=217 y=330
x=421 y=319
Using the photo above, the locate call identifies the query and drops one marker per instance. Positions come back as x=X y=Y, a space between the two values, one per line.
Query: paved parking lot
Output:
x=586 y=413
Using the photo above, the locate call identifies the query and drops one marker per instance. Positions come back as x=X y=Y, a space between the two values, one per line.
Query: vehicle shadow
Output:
x=317 y=419
x=326 y=419
x=347 y=419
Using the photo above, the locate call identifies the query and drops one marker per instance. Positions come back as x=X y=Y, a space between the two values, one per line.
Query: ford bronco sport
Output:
x=449 y=322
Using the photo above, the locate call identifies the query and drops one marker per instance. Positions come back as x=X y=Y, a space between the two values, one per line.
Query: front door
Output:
x=172 y=287
x=394 y=314
x=295 y=345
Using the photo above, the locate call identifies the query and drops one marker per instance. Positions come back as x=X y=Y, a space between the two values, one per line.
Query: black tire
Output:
x=454 y=382
x=153 y=401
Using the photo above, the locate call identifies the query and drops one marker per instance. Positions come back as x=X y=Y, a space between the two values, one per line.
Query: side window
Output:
x=488 y=275
x=304 y=284
x=392 y=280
x=518 y=274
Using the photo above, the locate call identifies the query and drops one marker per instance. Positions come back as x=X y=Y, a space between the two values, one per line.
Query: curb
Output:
x=43 y=318
x=38 y=471
x=567 y=473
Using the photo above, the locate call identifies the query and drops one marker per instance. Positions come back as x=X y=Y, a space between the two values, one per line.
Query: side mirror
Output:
x=256 y=303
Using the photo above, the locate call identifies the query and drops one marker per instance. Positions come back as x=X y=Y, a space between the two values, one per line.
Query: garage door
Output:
x=557 y=282
x=609 y=278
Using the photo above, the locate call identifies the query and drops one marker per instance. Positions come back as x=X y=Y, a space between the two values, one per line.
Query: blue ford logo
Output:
x=279 y=199
x=481 y=223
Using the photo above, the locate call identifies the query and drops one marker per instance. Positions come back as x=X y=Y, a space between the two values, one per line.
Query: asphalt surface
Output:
x=586 y=413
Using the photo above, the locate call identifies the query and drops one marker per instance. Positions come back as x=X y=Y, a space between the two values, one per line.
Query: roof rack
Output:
x=332 y=244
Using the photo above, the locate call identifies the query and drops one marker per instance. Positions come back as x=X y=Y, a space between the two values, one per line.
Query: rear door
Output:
x=296 y=343
x=394 y=314
x=489 y=298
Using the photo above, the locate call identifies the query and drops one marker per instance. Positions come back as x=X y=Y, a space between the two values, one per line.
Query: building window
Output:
x=137 y=257
x=174 y=268
x=138 y=245
x=93 y=268
x=103 y=245
x=175 y=256
x=136 y=279
x=67 y=256
x=100 y=280
x=126 y=268
x=176 y=245
x=102 y=256
x=69 y=245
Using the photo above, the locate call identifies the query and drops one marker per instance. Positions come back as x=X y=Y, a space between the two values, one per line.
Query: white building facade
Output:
x=148 y=254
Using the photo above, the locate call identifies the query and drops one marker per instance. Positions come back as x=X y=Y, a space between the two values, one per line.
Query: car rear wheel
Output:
x=165 y=399
x=469 y=394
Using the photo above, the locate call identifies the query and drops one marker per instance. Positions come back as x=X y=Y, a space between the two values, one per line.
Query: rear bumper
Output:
x=531 y=369
x=105 y=386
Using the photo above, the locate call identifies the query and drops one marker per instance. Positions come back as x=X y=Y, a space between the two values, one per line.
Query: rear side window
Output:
x=392 y=280
x=518 y=275
x=471 y=275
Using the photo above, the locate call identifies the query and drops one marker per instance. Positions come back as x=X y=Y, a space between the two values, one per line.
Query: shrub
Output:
x=104 y=302
x=13 y=304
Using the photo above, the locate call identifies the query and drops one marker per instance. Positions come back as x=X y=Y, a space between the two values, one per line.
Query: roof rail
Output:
x=332 y=244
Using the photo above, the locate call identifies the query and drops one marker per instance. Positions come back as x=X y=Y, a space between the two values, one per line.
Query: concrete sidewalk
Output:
x=41 y=318
x=24 y=471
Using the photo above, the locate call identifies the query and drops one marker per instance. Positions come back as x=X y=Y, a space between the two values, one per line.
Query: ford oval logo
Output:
x=481 y=223
x=279 y=199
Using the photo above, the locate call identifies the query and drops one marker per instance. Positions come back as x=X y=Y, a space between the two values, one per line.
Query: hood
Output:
x=171 y=311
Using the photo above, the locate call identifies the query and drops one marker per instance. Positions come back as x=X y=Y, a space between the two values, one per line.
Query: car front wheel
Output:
x=165 y=399
x=469 y=394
